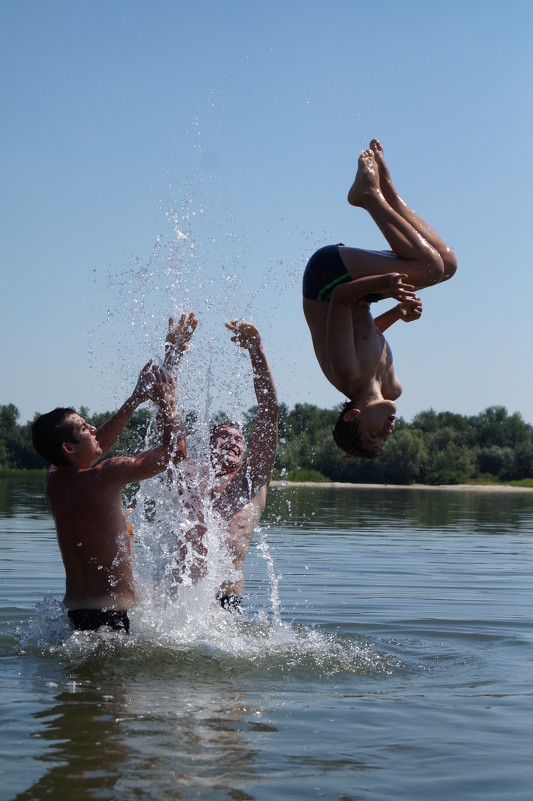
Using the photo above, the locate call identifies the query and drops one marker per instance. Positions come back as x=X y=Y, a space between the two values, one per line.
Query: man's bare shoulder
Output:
x=107 y=471
x=121 y=470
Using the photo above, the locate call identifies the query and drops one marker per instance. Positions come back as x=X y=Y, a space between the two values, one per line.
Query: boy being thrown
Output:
x=340 y=283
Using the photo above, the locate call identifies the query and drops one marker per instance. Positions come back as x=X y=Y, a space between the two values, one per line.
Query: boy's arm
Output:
x=390 y=285
x=407 y=311
x=109 y=432
x=264 y=442
x=342 y=356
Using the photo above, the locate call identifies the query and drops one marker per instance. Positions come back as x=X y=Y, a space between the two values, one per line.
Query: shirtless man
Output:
x=86 y=502
x=237 y=484
x=339 y=285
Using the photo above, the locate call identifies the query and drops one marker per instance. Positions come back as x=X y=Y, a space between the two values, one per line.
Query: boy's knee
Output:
x=436 y=269
x=450 y=264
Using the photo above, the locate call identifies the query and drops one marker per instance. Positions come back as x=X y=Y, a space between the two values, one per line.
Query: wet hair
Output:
x=215 y=430
x=50 y=431
x=346 y=435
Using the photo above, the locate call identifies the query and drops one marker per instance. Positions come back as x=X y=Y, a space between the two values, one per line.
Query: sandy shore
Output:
x=445 y=487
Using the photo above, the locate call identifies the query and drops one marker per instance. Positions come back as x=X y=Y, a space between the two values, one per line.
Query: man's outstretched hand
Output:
x=178 y=337
x=246 y=334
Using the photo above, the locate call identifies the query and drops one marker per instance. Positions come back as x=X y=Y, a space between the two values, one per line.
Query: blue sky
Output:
x=166 y=156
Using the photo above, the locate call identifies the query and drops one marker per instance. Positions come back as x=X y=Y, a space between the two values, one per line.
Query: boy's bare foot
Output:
x=366 y=180
x=379 y=157
x=385 y=180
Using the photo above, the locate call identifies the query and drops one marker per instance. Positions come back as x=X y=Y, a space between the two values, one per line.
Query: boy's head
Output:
x=50 y=431
x=362 y=430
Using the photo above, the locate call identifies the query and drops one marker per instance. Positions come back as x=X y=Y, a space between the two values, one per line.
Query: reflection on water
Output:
x=403 y=645
x=22 y=496
x=125 y=714
x=106 y=737
x=353 y=509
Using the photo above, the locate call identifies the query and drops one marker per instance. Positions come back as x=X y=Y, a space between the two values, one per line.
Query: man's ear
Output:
x=67 y=447
x=351 y=415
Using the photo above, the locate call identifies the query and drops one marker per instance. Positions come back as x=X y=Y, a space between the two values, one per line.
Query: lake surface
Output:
x=385 y=652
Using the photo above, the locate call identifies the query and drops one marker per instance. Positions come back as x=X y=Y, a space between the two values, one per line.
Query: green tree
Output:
x=16 y=449
x=404 y=456
x=435 y=448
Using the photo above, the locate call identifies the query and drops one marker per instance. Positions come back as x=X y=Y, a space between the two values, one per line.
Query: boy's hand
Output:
x=410 y=309
x=246 y=334
x=397 y=289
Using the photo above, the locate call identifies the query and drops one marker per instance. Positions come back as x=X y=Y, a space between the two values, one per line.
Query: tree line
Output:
x=434 y=448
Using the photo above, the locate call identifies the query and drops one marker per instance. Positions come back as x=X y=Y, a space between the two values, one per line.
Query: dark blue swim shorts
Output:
x=325 y=270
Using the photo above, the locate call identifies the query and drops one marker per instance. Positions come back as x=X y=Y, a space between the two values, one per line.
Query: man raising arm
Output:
x=235 y=487
x=85 y=498
x=240 y=490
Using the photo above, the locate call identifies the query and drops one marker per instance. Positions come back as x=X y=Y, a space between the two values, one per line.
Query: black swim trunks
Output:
x=231 y=602
x=92 y=619
x=325 y=270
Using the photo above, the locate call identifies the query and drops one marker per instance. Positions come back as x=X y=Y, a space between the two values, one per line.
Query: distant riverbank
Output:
x=448 y=487
x=41 y=474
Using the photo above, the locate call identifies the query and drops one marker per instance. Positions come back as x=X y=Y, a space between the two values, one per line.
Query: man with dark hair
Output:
x=85 y=498
x=339 y=285
x=49 y=431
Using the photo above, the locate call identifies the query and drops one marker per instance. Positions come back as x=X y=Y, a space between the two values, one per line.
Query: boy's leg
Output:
x=400 y=206
x=419 y=260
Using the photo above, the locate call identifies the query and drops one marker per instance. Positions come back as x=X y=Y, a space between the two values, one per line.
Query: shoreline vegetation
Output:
x=13 y=472
x=436 y=449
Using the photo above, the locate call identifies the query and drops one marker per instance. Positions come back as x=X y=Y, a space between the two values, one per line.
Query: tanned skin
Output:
x=349 y=343
x=85 y=497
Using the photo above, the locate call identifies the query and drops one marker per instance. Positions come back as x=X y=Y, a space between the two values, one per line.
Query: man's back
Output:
x=92 y=535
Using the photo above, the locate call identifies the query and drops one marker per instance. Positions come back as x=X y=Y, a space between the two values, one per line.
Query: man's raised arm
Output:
x=264 y=442
x=110 y=431
x=172 y=445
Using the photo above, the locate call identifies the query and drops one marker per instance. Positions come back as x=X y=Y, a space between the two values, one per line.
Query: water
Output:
x=386 y=652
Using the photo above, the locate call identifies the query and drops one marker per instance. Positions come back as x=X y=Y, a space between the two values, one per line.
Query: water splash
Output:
x=194 y=632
